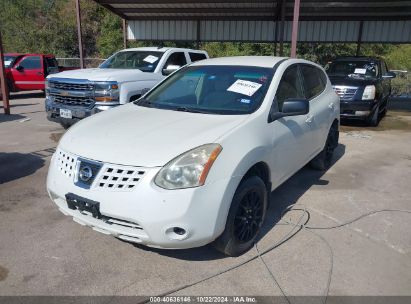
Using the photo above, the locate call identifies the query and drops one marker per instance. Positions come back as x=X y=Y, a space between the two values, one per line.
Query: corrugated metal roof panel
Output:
x=264 y=31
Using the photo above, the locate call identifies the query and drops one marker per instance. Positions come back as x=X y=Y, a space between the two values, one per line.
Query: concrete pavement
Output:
x=43 y=252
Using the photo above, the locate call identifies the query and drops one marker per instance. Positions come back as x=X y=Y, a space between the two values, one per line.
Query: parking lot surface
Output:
x=43 y=252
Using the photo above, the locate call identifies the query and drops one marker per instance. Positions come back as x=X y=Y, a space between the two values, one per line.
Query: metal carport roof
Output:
x=258 y=9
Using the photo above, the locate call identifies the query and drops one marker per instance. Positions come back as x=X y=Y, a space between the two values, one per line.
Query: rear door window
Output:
x=197 y=56
x=314 y=82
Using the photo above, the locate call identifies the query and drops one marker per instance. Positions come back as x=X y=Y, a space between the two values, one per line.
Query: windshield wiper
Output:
x=143 y=102
x=191 y=110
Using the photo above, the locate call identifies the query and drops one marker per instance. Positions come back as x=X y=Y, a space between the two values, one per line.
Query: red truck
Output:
x=27 y=72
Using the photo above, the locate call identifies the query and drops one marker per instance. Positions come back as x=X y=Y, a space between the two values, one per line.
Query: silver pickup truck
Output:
x=124 y=77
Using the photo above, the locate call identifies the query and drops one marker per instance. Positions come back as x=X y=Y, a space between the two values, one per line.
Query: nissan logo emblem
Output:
x=85 y=173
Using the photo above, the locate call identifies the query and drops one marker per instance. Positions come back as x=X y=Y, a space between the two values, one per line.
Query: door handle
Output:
x=331 y=106
x=309 y=118
x=40 y=73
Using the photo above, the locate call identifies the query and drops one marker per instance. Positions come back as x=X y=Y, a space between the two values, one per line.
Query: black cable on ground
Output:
x=284 y=239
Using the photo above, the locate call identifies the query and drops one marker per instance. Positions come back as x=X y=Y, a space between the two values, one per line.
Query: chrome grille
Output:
x=345 y=93
x=120 y=178
x=65 y=163
x=72 y=86
x=73 y=100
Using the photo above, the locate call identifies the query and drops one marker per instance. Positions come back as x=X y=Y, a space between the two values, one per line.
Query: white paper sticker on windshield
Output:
x=150 y=59
x=360 y=71
x=244 y=87
x=7 y=62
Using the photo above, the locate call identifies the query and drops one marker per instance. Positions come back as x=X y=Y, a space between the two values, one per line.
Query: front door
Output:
x=30 y=74
x=321 y=105
x=291 y=136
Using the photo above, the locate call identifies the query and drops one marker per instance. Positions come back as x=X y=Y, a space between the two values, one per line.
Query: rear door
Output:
x=28 y=73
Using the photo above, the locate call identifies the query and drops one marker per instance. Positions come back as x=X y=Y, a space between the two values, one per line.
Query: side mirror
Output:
x=291 y=107
x=170 y=69
x=389 y=75
x=19 y=68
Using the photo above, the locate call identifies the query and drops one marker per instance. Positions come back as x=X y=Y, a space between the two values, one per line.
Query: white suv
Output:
x=195 y=159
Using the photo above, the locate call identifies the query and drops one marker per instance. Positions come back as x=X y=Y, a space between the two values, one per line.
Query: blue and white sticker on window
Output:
x=244 y=87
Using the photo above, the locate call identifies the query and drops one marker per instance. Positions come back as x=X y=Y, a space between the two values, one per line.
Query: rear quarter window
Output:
x=314 y=80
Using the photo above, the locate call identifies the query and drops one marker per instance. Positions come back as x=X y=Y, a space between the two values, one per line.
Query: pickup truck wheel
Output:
x=323 y=160
x=374 y=118
x=245 y=217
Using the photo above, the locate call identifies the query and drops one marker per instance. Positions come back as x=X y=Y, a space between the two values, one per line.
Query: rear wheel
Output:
x=245 y=218
x=323 y=160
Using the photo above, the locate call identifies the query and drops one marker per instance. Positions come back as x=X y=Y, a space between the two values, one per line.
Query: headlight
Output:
x=369 y=92
x=189 y=169
x=106 y=91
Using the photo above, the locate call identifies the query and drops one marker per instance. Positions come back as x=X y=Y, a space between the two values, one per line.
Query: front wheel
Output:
x=374 y=118
x=245 y=217
x=323 y=160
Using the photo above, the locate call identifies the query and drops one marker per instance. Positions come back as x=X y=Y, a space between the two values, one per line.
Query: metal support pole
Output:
x=198 y=34
x=275 y=38
x=282 y=27
x=359 y=39
x=125 y=33
x=3 y=84
x=80 y=42
x=294 y=33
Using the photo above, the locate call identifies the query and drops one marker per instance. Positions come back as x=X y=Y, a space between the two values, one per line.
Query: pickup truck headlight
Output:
x=106 y=91
x=188 y=170
x=369 y=92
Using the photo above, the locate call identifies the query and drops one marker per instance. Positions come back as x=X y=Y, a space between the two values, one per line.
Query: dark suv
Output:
x=363 y=84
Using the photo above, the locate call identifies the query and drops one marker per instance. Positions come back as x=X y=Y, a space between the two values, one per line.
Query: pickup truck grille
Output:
x=73 y=101
x=345 y=93
x=72 y=86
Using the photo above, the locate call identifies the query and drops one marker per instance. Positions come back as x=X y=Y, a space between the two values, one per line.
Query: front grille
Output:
x=345 y=93
x=65 y=163
x=122 y=178
x=72 y=86
x=73 y=101
x=84 y=167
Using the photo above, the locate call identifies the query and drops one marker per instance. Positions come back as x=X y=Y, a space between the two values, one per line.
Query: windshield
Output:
x=353 y=69
x=9 y=60
x=145 y=61
x=212 y=89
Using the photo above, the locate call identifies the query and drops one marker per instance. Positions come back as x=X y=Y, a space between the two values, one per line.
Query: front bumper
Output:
x=53 y=110
x=357 y=109
x=147 y=214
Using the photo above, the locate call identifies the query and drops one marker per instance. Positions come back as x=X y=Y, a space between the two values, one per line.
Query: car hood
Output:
x=348 y=81
x=140 y=136
x=97 y=74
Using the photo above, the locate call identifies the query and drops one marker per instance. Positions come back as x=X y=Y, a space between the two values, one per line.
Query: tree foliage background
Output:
x=49 y=26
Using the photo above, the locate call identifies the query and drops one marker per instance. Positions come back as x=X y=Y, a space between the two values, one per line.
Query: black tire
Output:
x=384 y=112
x=323 y=160
x=65 y=125
x=374 y=118
x=245 y=217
